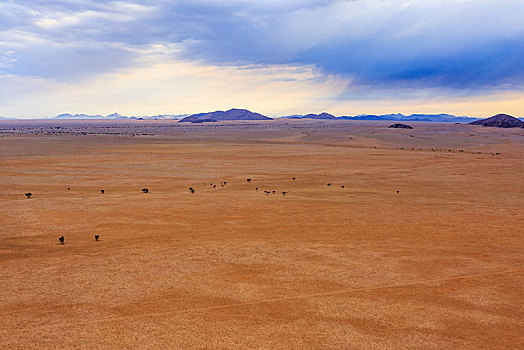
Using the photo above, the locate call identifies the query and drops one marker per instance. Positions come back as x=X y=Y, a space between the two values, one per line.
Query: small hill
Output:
x=116 y=116
x=500 y=121
x=323 y=115
x=232 y=114
x=400 y=126
x=311 y=116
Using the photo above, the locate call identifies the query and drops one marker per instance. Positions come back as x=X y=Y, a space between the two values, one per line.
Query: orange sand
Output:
x=439 y=265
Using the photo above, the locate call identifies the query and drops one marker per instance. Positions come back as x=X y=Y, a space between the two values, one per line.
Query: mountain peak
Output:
x=114 y=116
x=232 y=114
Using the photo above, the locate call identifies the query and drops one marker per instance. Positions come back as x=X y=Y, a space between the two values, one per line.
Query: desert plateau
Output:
x=297 y=234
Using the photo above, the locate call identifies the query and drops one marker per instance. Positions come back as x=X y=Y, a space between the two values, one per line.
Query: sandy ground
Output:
x=438 y=265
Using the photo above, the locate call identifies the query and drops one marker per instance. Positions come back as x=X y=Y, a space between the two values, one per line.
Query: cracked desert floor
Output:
x=440 y=264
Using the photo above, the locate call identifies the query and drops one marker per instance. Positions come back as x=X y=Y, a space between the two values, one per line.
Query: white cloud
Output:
x=348 y=50
x=163 y=85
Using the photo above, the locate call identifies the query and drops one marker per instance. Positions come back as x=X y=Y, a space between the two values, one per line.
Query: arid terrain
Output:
x=423 y=247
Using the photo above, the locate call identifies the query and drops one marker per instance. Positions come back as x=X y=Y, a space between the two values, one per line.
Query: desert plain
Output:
x=422 y=247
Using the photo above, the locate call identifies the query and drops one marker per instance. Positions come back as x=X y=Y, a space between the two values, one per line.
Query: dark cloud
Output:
x=493 y=64
x=388 y=43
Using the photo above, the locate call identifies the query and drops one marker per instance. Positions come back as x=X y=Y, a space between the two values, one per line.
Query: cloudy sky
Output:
x=275 y=57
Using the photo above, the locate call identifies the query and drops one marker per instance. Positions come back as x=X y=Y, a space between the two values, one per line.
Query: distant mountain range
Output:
x=312 y=116
x=449 y=118
x=392 y=117
x=118 y=116
x=244 y=114
x=232 y=114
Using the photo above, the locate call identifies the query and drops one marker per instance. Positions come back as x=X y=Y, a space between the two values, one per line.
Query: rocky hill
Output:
x=500 y=121
x=232 y=114
x=400 y=126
